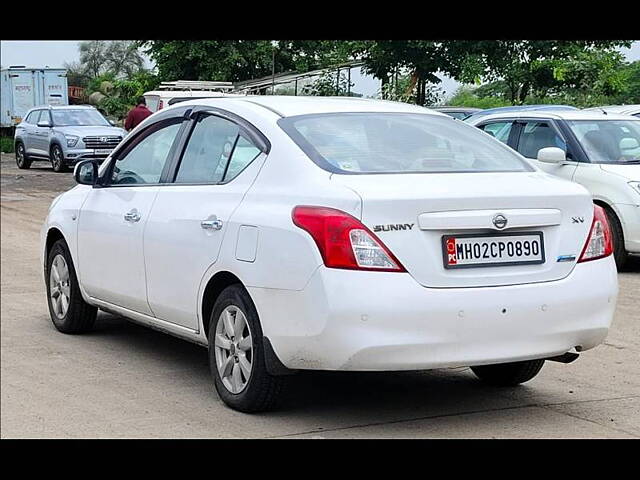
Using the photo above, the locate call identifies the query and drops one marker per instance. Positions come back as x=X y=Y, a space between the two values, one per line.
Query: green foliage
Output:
x=534 y=67
x=120 y=95
x=6 y=145
x=239 y=60
x=466 y=96
x=325 y=85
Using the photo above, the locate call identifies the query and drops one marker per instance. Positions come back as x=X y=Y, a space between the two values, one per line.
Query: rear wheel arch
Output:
x=216 y=284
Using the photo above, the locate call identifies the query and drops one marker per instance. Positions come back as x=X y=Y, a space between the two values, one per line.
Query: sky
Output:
x=55 y=53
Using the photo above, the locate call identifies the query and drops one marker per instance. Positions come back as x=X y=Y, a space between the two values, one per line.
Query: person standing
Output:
x=137 y=114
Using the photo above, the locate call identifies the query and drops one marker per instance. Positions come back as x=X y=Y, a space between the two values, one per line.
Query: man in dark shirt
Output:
x=137 y=114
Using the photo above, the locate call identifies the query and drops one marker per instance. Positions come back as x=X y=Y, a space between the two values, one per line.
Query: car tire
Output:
x=57 y=159
x=235 y=347
x=620 y=254
x=63 y=288
x=22 y=159
x=508 y=374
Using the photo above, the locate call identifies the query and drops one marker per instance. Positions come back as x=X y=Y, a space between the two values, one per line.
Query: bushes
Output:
x=6 y=145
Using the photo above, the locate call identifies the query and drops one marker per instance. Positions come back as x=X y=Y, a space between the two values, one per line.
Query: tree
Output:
x=92 y=57
x=123 y=58
x=239 y=60
x=525 y=66
x=120 y=57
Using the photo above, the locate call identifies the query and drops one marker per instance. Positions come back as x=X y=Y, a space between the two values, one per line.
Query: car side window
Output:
x=216 y=152
x=499 y=130
x=34 y=117
x=144 y=162
x=244 y=153
x=536 y=135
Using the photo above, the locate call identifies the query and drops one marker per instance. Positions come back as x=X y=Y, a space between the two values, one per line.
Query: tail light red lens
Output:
x=343 y=241
x=599 y=244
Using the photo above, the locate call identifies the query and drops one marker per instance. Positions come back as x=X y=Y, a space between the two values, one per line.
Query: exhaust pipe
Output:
x=564 y=358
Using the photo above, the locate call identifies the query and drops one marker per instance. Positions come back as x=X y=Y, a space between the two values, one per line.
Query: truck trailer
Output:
x=23 y=88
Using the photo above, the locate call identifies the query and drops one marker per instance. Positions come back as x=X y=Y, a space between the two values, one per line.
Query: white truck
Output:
x=23 y=88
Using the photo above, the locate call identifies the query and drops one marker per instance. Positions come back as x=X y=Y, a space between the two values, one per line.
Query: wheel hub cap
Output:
x=233 y=348
x=59 y=286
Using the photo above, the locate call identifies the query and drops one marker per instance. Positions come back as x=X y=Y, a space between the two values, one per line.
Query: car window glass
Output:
x=244 y=153
x=536 y=135
x=145 y=161
x=35 y=117
x=397 y=142
x=208 y=150
x=499 y=130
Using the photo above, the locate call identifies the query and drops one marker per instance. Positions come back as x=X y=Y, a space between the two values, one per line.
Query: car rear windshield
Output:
x=79 y=117
x=609 y=141
x=374 y=142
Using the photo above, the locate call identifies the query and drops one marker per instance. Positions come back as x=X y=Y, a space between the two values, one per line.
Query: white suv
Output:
x=600 y=151
x=295 y=233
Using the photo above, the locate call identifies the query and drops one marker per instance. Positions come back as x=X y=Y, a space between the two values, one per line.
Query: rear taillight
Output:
x=599 y=243
x=160 y=105
x=343 y=241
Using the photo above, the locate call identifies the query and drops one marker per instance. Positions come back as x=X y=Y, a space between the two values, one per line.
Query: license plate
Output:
x=103 y=151
x=473 y=250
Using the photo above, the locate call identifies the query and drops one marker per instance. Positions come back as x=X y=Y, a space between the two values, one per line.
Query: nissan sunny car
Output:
x=301 y=233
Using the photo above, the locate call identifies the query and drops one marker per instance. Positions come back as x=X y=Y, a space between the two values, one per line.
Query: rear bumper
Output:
x=351 y=320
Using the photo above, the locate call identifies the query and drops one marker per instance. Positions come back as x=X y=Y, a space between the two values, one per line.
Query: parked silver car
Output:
x=64 y=135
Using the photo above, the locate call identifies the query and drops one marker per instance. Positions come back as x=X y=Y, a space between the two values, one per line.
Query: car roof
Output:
x=559 y=115
x=456 y=109
x=616 y=108
x=288 y=106
x=63 y=107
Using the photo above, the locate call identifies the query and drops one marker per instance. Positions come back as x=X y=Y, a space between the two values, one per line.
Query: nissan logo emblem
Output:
x=500 y=221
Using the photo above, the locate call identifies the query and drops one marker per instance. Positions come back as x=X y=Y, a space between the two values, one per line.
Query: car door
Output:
x=30 y=134
x=41 y=134
x=538 y=133
x=190 y=217
x=112 y=218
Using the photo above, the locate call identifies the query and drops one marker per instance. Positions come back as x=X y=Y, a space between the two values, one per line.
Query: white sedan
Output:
x=301 y=233
x=598 y=150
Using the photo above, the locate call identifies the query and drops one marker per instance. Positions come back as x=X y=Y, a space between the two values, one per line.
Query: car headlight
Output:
x=635 y=186
x=71 y=140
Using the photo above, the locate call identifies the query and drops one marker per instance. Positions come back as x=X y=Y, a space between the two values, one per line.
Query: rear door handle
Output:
x=132 y=216
x=211 y=223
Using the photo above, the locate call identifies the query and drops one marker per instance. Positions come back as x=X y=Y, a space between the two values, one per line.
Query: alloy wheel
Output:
x=20 y=154
x=233 y=345
x=59 y=286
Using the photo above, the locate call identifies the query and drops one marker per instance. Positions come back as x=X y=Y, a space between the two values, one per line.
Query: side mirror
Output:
x=551 y=155
x=113 y=124
x=86 y=172
x=44 y=124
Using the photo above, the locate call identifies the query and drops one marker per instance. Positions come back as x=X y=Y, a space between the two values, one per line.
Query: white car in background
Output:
x=598 y=150
x=310 y=233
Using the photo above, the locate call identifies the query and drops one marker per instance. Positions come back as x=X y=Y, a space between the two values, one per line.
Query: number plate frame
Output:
x=494 y=264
